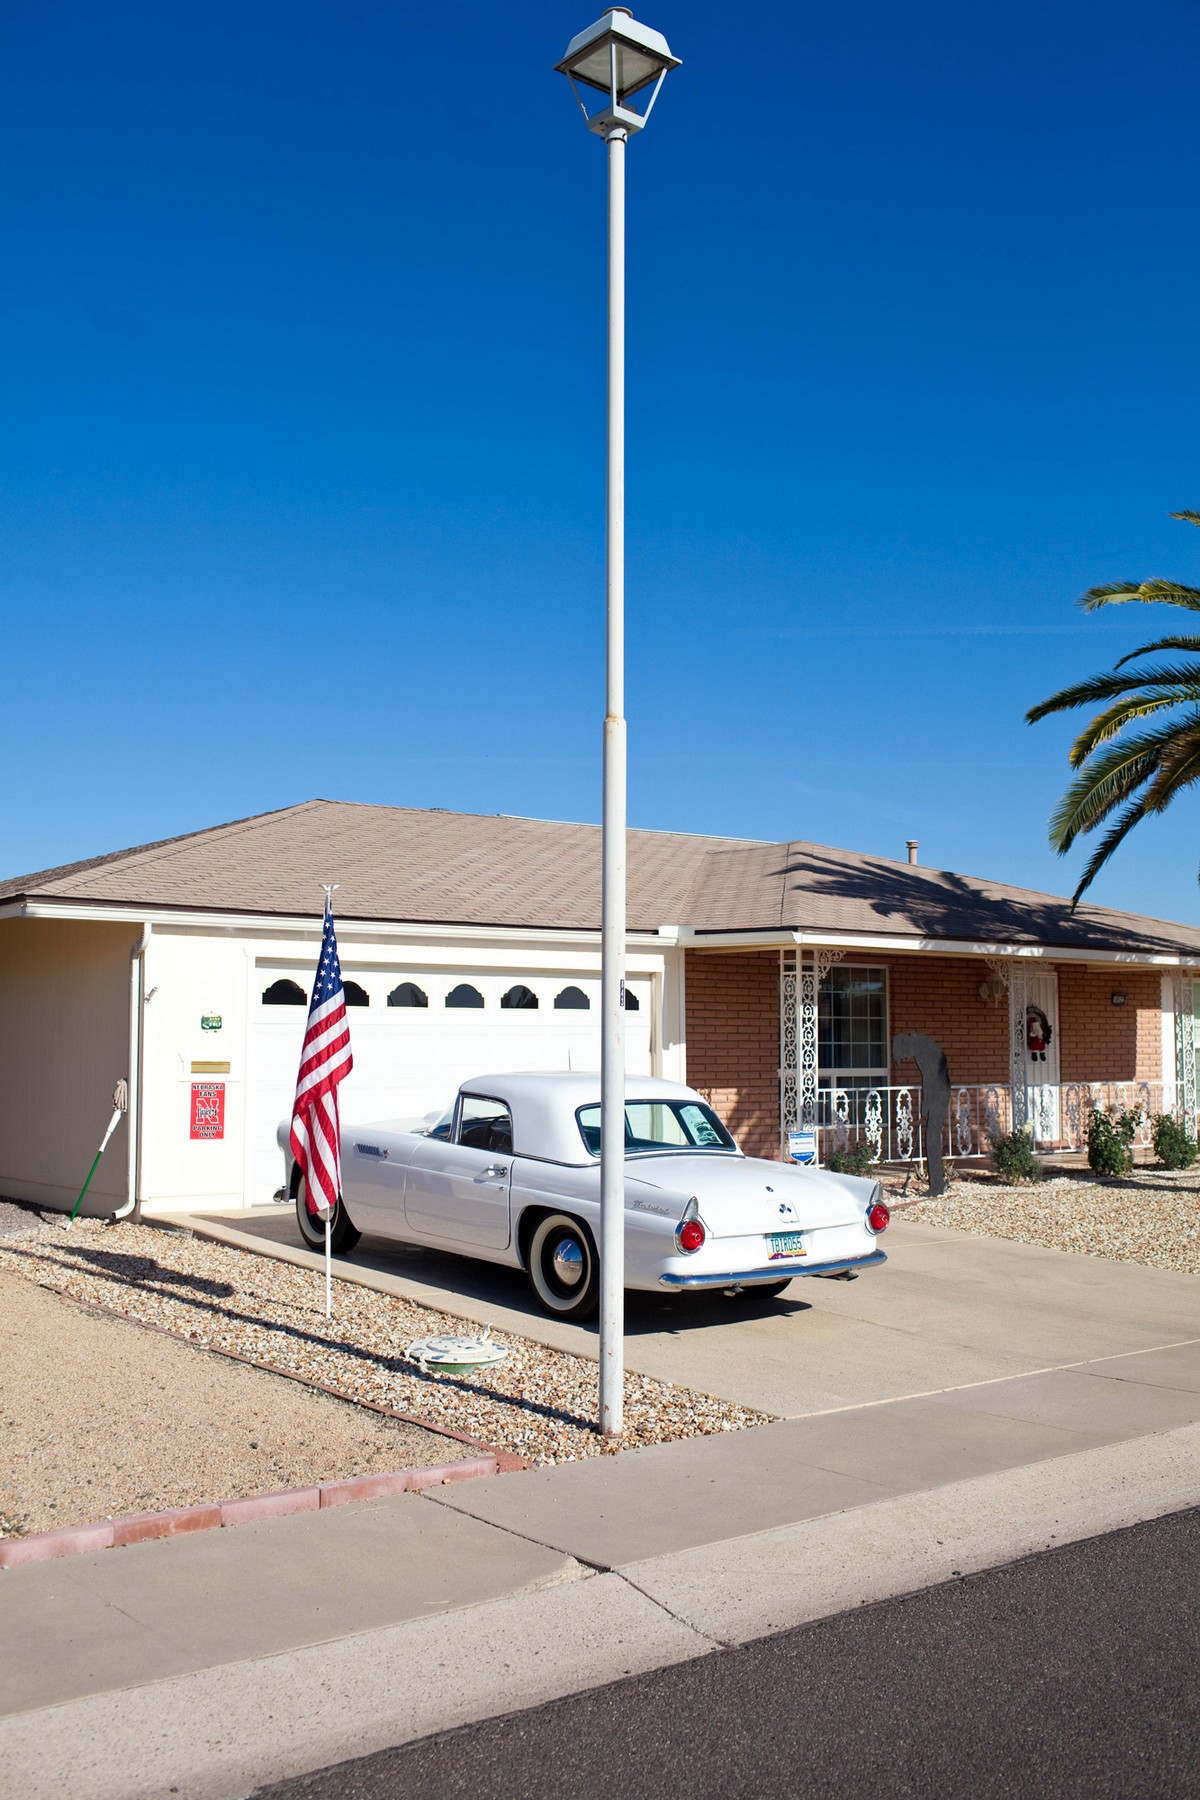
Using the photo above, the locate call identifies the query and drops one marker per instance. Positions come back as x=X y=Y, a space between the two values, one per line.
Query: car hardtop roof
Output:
x=570 y=1088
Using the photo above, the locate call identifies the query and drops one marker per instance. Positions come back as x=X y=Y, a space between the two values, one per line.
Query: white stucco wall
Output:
x=64 y=1041
x=198 y=972
x=64 y=1044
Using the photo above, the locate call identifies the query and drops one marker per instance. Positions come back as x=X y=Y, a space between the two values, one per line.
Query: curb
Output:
x=178 y=1521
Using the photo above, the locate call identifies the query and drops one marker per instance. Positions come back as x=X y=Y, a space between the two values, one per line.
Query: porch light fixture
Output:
x=1118 y=999
x=617 y=58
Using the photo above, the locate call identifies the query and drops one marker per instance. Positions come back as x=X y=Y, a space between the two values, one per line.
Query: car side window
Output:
x=485 y=1124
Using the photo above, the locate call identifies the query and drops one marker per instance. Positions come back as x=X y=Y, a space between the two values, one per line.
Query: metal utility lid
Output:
x=456 y=1355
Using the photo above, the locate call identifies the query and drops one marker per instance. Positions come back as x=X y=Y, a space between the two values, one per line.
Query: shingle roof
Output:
x=397 y=863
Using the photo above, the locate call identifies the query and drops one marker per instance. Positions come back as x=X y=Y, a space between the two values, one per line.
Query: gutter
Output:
x=137 y=1003
x=847 y=940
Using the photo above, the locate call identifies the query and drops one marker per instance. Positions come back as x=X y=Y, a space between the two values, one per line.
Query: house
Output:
x=773 y=977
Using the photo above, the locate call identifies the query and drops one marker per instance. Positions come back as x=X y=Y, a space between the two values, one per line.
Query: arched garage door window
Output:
x=355 y=995
x=519 y=997
x=408 y=994
x=464 y=995
x=572 y=999
x=632 y=1003
x=284 y=993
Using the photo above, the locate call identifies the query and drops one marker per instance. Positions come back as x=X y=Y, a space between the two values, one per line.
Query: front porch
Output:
x=783 y=1038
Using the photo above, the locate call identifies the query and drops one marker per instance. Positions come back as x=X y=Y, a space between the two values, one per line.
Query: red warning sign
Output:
x=208 y=1109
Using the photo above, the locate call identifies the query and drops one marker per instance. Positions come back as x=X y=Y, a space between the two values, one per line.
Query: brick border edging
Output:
x=137 y=1528
x=178 y=1521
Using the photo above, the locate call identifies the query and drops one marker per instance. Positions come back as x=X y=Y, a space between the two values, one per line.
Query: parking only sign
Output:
x=802 y=1145
x=208 y=1109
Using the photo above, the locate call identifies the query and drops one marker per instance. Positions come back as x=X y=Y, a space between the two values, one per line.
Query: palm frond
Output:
x=1166 y=643
x=1098 y=791
x=1114 y=773
x=1107 y=724
x=1193 y=518
x=1184 y=676
x=1155 y=592
x=1124 y=825
x=1179 y=770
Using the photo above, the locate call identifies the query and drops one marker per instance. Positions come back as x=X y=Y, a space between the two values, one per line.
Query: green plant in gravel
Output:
x=1174 y=1145
x=1110 y=1141
x=858 y=1161
x=1013 y=1158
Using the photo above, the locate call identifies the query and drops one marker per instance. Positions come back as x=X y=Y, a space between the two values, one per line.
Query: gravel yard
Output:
x=160 y=1424
x=539 y=1403
x=1151 y=1216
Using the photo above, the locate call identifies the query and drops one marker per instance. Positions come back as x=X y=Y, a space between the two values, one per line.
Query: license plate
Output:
x=786 y=1243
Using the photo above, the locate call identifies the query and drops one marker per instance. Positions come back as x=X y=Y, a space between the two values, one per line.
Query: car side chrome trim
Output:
x=777 y=1271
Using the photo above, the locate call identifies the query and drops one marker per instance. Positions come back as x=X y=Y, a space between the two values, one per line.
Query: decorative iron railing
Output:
x=888 y=1119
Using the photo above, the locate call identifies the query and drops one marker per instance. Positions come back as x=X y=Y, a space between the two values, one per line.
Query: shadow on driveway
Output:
x=466 y=1278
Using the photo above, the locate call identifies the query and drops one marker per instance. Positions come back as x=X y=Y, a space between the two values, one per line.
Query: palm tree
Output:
x=1123 y=770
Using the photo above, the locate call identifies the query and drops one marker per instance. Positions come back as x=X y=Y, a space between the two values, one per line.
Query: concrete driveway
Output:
x=946 y=1312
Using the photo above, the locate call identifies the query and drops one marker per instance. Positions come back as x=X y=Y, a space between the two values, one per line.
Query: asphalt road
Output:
x=1075 y=1672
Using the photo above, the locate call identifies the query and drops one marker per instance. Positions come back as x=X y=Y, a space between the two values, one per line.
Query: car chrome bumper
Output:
x=778 y=1271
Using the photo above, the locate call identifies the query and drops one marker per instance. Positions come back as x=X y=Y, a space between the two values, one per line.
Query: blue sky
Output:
x=303 y=345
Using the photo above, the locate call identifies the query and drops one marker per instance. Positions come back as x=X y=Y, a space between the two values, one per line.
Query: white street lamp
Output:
x=618 y=58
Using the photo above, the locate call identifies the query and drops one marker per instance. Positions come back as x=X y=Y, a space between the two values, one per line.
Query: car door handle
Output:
x=493 y=1170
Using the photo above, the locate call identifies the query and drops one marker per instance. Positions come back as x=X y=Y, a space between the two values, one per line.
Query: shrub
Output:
x=852 y=1162
x=1110 y=1140
x=1174 y=1145
x=1013 y=1156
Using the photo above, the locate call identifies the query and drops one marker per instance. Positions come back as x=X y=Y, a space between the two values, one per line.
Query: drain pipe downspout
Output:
x=137 y=983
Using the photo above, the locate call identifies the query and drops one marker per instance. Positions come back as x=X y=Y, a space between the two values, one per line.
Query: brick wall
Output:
x=733 y=1028
x=939 y=995
x=733 y=1042
x=1103 y=1042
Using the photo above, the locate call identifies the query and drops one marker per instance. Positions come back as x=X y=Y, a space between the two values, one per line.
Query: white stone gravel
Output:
x=539 y=1403
x=100 y=1418
x=1151 y=1216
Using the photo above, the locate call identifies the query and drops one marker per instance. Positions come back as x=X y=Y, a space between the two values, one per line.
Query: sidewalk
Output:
x=214 y=1663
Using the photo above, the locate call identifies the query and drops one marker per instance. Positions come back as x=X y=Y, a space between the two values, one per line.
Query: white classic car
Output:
x=511 y=1174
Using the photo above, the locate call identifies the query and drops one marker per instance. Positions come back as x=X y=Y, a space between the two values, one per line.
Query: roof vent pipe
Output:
x=912 y=845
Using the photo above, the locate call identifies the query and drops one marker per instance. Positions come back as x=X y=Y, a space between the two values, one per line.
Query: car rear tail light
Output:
x=878 y=1216
x=690 y=1235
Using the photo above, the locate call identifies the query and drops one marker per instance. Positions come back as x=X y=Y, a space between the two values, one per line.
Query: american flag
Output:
x=316 y=1135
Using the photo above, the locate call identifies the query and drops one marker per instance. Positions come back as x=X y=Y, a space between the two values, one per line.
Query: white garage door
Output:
x=410 y=1059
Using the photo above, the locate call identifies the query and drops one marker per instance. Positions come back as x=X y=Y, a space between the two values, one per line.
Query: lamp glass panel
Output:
x=635 y=67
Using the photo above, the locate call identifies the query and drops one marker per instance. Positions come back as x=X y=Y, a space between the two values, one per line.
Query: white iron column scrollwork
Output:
x=1185 y=1048
x=789 y=1084
x=814 y=967
x=1011 y=971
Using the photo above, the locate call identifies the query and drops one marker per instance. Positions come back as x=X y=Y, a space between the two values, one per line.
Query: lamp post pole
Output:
x=617 y=58
x=612 y=923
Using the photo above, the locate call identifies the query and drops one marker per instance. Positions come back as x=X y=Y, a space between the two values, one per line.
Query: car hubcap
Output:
x=567 y=1262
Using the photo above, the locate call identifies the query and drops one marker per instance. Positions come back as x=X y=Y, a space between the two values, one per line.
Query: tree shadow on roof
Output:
x=821 y=889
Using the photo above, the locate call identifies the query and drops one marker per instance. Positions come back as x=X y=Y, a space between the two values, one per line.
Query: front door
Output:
x=1042 y=1063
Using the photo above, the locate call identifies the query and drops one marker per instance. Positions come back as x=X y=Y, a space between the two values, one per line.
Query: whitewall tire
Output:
x=564 y=1269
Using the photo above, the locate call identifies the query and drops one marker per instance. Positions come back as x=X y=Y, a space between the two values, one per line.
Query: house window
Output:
x=852 y=1016
x=408 y=994
x=464 y=995
x=521 y=997
x=284 y=993
x=355 y=995
x=572 y=999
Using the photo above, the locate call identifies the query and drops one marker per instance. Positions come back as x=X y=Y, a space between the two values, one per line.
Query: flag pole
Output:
x=329 y=887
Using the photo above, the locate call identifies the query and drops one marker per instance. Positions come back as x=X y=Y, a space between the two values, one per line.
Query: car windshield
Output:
x=660 y=1125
